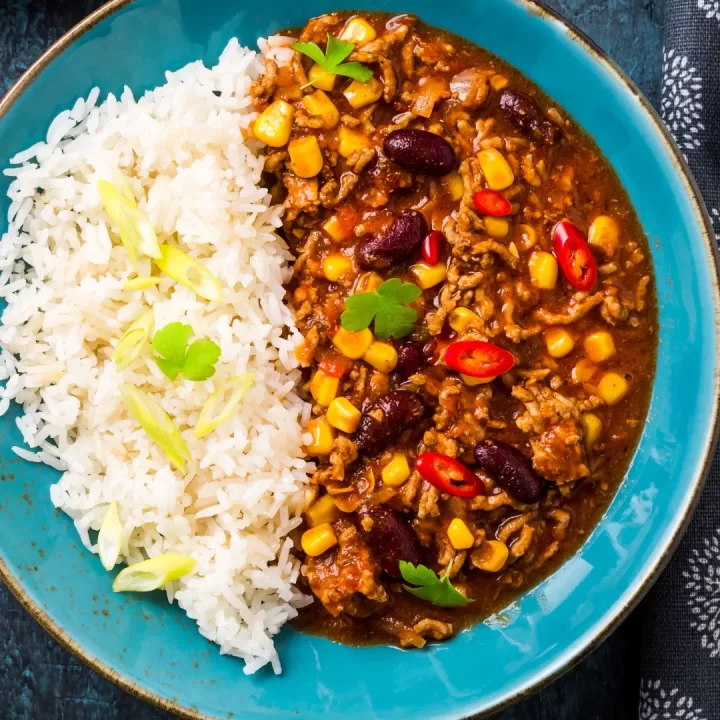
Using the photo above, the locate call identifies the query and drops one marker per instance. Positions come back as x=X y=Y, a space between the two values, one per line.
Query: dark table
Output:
x=40 y=680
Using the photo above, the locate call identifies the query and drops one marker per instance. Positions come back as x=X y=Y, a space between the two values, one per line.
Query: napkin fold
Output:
x=680 y=619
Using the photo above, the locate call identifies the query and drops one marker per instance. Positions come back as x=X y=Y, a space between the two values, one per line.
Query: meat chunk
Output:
x=471 y=87
x=347 y=579
x=303 y=195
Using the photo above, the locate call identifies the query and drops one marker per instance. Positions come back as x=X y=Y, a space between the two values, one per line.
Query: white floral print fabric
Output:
x=703 y=576
x=681 y=100
x=657 y=703
x=711 y=8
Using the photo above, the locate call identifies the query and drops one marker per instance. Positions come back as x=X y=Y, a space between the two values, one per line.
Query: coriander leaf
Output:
x=401 y=322
x=312 y=50
x=200 y=360
x=172 y=371
x=355 y=70
x=170 y=343
x=337 y=50
x=438 y=591
x=359 y=312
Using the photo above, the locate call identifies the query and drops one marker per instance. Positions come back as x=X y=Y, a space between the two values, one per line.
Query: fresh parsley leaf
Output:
x=437 y=590
x=173 y=356
x=331 y=61
x=387 y=306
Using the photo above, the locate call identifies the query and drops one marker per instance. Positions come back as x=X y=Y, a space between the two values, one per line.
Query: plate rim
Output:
x=576 y=655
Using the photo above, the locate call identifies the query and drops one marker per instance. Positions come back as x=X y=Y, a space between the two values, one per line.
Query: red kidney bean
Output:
x=404 y=236
x=510 y=469
x=525 y=114
x=410 y=359
x=420 y=151
x=401 y=410
x=390 y=538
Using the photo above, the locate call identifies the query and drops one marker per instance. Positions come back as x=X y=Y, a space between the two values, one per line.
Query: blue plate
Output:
x=153 y=650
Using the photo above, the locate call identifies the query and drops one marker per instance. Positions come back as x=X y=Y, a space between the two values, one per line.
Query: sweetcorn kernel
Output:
x=459 y=535
x=428 y=276
x=358 y=31
x=322 y=511
x=382 y=356
x=491 y=557
x=318 y=540
x=324 y=388
x=559 y=342
x=306 y=158
x=496 y=227
x=343 y=415
x=335 y=266
x=592 y=427
x=352 y=344
x=495 y=168
x=274 y=124
x=397 y=471
x=321 y=79
x=599 y=346
x=319 y=104
x=360 y=94
x=604 y=234
x=323 y=437
x=612 y=388
x=543 y=270
x=351 y=140
x=461 y=319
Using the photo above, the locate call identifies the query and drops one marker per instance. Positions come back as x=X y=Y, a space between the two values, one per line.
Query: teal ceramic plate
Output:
x=152 y=649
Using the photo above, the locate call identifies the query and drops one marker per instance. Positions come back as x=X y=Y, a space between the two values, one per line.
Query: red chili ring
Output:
x=492 y=202
x=574 y=256
x=449 y=475
x=478 y=358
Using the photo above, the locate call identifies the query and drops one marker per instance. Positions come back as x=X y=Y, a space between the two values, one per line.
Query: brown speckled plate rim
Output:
x=42 y=617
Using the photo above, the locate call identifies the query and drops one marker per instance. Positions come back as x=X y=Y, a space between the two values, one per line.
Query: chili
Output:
x=574 y=256
x=449 y=475
x=432 y=247
x=478 y=358
x=492 y=202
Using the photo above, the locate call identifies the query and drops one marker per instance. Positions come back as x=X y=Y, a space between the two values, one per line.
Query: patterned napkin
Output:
x=681 y=616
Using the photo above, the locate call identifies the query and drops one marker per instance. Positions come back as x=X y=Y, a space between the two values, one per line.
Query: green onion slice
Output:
x=133 y=340
x=136 y=231
x=154 y=573
x=110 y=537
x=141 y=283
x=157 y=424
x=219 y=406
x=189 y=272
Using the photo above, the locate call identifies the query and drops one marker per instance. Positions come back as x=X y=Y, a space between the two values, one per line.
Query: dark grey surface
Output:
x=39 y=680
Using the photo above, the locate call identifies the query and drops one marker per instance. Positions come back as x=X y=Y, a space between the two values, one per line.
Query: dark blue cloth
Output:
x=681 y=616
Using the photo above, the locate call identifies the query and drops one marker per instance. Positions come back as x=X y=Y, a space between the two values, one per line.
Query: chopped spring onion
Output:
x=141 y=283
x=154 y=573
x=136 y=231
x=157 y=424
x=131 y=343
x=110 y=537
x=189 y=272
x=219 y=406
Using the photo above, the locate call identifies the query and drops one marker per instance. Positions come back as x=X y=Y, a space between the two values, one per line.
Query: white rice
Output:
x=62 y=269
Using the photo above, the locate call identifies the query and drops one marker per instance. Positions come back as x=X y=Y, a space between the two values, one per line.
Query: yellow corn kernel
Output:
x=428 y=276
x=496 y=227
x=335 y=229
x=459 y=535
x=543 y=269
x=319 y=104
x=592 y=427
x=324 y=388
x=368 y=282
x=397 y=471
x=335 y=266
x=274 y=124
x=583 y=371
x=453 y=185
x=498 y=82
x=317 y=540
x=323 y=437
x=559 y=342
x=599 y=346
x=604 y=234
x=492 y=556
x=343 y=415
x=321 y=79
x=360 y=94
x=305 y=156
x=382 y=356
x=471 y=381
x=526 y=236
x=512 y=247
x=495 y=168
x=358 y=31
x=352 y=344
x=351 y=140
x=461 y=319
x=323 y=511
x=612 y=388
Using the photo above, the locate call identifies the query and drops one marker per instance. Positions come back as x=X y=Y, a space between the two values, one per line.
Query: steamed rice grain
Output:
x=62 y=271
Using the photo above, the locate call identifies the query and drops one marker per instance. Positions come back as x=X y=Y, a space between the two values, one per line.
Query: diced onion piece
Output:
x=136 y=231
x=154 y=573
x=189 y=272
x=132 y=342
x=110 y=537
x=220 y=405
x=157 y=424
x=141 y=283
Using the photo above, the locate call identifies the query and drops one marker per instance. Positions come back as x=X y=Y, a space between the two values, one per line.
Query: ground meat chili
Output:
x=450 y=172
